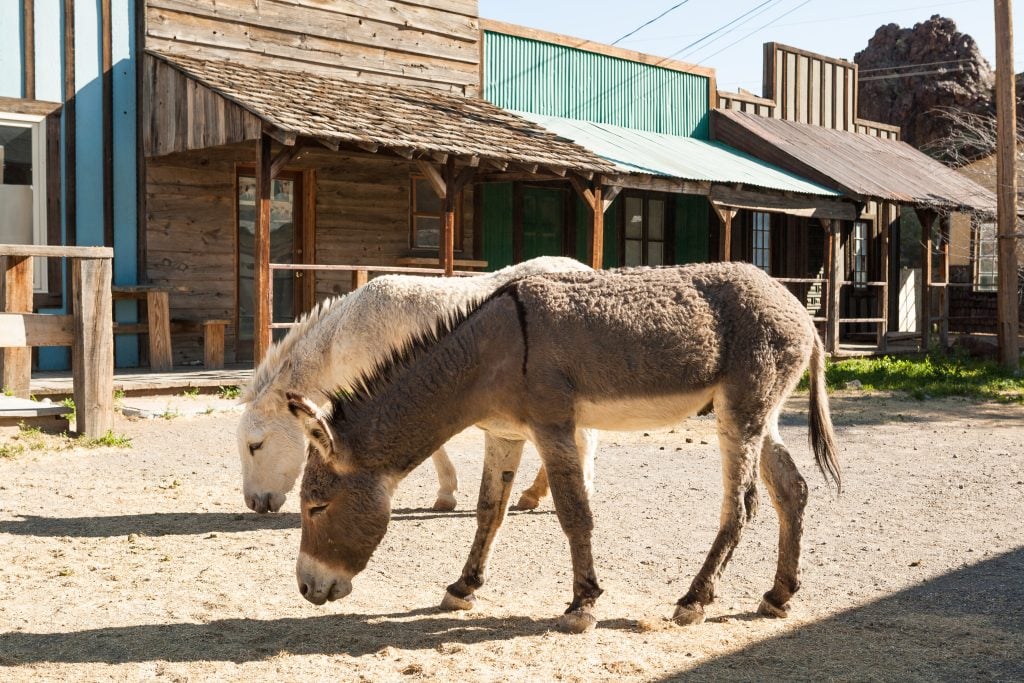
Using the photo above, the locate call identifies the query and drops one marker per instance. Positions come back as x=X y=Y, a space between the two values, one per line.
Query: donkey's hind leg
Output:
x=788 y=492
x=501 y=460
x=586 y=445
x=740 y=445
x=447 y=481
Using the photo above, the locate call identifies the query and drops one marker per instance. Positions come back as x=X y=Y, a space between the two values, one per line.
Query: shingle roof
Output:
x=858 y=165
x=404 y=118
x=674 y=156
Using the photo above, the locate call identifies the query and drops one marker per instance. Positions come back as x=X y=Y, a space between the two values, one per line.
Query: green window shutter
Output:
x=497 y=224
x=691 y=229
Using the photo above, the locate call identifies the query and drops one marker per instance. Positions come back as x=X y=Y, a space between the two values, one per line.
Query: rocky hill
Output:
x=909 y=73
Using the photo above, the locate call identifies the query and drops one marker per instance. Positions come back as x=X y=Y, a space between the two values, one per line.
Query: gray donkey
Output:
x=546 y=355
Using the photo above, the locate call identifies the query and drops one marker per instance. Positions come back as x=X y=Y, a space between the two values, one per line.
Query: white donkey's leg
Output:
x=501 y=460
x=586 y=446
x=447 y=480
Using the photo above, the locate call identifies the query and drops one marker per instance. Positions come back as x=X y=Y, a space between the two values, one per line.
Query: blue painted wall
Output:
x=88 y=152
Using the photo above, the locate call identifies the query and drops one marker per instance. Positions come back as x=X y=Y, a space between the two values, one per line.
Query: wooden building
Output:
x=806 y=123
x=68 y=158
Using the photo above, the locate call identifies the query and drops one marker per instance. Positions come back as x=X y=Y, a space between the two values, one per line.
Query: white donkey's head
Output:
x=272 y=447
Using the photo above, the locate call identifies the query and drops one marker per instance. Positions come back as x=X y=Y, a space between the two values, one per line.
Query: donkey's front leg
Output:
x=447 y=481
x=501 y=460
x=558 y=450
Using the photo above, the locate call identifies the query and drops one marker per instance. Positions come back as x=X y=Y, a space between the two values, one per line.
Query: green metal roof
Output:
x=674 y=156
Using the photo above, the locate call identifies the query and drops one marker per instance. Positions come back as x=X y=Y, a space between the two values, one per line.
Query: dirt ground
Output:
x=143 y=563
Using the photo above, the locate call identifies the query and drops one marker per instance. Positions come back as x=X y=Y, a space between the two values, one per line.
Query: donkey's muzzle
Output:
x=268 y=502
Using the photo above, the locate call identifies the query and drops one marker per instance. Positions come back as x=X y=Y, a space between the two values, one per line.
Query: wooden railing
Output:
x=88 y=330
x=360 y=276
x=833 y=325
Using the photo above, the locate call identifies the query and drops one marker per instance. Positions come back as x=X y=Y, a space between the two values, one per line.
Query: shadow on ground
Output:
x=152 y=524
x=964 y=625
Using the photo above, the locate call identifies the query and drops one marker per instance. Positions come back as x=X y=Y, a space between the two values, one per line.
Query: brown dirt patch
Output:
x=143 y=563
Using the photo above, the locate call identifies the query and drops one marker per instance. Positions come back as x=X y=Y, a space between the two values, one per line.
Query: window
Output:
x=860 y=255
x=644 y=231
x=761 y=253
x=23 y=185
x=428 y=216
x=986 y=257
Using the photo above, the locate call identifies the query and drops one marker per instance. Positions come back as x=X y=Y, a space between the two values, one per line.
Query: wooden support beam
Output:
x=17 y=362
x=886 y=217
x=944 y=234
x=359 y=278
x=35 y=329
x=793 y=205
x=285 y=157
x=447 y=256
x=439 y=157
x=261 y=249
x=833 y=263
x=92 y=353
x=368 y=147
x=1007 y=306
x=285 y=137
x=404 y=152
x=725 y=215
x=597 y=229
x=610 y=193
x=927 y=219
x=556 y=170
x=585 y=193
x=434 y=177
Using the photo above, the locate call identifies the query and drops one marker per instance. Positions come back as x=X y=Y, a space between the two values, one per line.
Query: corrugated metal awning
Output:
x=860 y=166
x=635 y=151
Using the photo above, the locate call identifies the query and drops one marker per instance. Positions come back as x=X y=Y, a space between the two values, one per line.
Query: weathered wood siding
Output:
x=810 y=88
x=362 y=218
x=179 y=114
x=433 y=44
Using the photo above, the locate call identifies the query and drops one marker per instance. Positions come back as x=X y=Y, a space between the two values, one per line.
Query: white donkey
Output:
x=344 y=339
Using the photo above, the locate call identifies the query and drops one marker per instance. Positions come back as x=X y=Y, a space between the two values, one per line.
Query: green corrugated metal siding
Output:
x=691 y=229
x=538 y=77
x=497 y=224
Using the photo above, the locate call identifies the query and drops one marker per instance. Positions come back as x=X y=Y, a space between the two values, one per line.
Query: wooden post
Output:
x=927 y=219
x=359 y=278
x=92 y=350
x=158 y=315
x=725 y=215
x=885 y=217
x=944 y=235
x=597 y=227
x=261 y=253
x=832 y=306
x=1008 y=314
x=448 y=233
x=17 y=362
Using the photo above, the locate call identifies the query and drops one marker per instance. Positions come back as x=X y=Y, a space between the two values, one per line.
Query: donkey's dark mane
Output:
x=402 y=357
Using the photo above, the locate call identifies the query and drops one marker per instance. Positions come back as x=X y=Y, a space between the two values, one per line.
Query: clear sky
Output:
x=837 y=29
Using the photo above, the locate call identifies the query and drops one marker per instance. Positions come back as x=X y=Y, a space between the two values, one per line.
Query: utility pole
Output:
x=1006 y=183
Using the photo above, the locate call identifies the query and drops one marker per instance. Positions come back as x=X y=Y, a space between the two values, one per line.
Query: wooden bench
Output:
x=212 y=331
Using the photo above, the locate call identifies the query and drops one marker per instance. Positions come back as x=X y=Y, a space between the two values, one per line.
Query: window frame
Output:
x=859 y=244
x=38 y=125
x=414 y=214
x=979 y=259
x=761 y=226
x=645 y=240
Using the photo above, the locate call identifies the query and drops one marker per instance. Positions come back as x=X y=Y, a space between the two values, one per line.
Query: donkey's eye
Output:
x=253 y=447
x=316 y=510
x=317 y=434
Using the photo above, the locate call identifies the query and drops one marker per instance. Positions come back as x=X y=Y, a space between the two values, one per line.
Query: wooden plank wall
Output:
x=362 y=214
x=434 y=44
x=746 y=102
x=180 y=114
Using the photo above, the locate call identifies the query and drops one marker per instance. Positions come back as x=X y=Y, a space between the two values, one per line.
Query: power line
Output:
x=752 y=16
x=914 y=66
x=758 y=30
x=645 y=25
x=905 y=74
x=720 y=28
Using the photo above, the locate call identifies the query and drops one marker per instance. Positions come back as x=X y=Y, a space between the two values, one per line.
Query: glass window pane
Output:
x=655 y=253
x=656 y=219
x=16 y=199
x=634 y=255
x=427 y=232
x=427 y=200
x=634 y=217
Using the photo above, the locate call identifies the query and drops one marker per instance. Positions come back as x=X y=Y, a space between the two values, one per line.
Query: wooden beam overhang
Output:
x=725 y=215
x=659 y=184
x=805 y=206
x=447 y=182
x=593 y=195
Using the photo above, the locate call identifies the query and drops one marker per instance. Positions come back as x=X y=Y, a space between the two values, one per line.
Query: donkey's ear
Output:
x=315 y=422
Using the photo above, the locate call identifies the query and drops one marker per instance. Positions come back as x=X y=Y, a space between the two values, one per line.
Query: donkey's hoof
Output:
x=526 y=502
x=767 y=609
x=577 y=621
x=452 y=603
x=444 y=503
x=689 y=615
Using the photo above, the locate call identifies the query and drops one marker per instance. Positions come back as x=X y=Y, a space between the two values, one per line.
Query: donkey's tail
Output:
x=821 y=435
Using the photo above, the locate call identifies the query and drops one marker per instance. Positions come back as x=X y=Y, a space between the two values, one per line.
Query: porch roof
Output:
x=634 y=151
x=859 y=166
x=409 y=121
